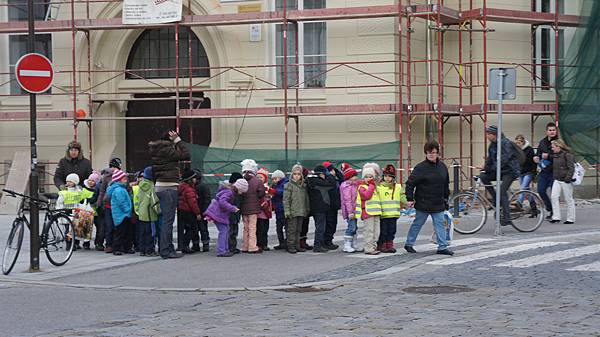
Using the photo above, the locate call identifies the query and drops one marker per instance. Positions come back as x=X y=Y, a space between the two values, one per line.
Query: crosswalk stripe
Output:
x=493 y=253
x=595 y=266
x=537 y=260
x=424 y=247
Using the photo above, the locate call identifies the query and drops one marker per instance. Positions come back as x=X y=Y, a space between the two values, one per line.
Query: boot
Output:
x=196 y=247
x=391 y=247
x=348 y=245
x=205 y=247
x=355 y=243
x=380 y=247
x=305 y=245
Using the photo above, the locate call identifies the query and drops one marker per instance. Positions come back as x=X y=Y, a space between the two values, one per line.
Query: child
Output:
x=319 y=184
x=279 y=181
x=304 y=229
x=348 y=191
x=368 y=207
x=234 y=218
x=392 y=200
x=121 y=209
x=250 y=205
x=148 y=212
x=90 y=192
x=71 y=197
x=187 y=212
x=203 y=194
x=220 y=209
x=266 y=212
x=295 y=207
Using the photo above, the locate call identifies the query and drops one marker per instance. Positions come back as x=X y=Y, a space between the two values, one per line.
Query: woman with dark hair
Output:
x=427 y=188
x=562 y=171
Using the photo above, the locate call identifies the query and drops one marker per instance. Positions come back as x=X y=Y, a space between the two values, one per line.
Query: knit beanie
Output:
x=320 y=169
x=118 y=175
x=368 y=171
x=348 y=172
x=389 y=170
x=375 y=167
x=115 y=162
x=326 y=164
x=148 y=172
x=241 y=185
x=95 y=177
x=73 y=177
x=234 y=177
x=249 y=165
x=264 y=173
x=278 y=174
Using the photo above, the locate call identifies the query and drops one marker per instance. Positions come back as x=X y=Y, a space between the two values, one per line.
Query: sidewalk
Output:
x=204 y=270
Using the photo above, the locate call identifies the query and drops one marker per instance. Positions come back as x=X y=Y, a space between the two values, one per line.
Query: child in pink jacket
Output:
x=348 y=191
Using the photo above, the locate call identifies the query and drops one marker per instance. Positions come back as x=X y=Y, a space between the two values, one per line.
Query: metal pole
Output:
x=285 y=81
x=34 y=214
x=501 y=76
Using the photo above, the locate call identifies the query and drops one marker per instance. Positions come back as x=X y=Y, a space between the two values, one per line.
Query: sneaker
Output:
x=255 y=252
x=235 y=251
x=117 y=253
x=228 y=254
x=331 y=246
x=375 y=252
x=108 y=250
x=86 y=246
x=130 y=251
x=554 y=221
x=186 y=250
x=292 y=251
x=280 y=247
x=320 y=250
x=265 y=248
x=173 y=255
x=445 y=252
x=568 y=222
x=196 y=248
x=142 y=254
x=410 y=249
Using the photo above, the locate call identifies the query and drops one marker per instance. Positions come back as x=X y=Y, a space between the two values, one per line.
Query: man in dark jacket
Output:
x=510 y=168
x=203 y=201
x=72 y=162
x=166 y=153
x=336 y=204
x=319 y=186
x=428 y=189
x=544 y=159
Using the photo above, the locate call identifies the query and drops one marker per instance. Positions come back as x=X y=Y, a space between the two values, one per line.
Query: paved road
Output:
x=541 y=284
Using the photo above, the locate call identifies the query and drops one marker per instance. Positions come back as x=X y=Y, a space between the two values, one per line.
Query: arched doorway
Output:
x=155 y=48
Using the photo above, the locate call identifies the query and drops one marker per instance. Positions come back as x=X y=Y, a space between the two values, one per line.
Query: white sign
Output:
x=151 y=11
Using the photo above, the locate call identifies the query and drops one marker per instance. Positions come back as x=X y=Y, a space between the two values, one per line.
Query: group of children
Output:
x=127 y=216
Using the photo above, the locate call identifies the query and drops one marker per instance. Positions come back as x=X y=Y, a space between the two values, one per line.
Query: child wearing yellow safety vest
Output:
x=71 y=197
x=392 y=199
x=90 y=194
x=368 y=207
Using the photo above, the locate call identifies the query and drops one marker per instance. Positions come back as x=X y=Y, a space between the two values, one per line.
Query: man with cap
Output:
x=510 y=168
x=72 y=162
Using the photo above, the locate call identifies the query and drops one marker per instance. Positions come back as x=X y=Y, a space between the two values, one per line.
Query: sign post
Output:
x=503 y=85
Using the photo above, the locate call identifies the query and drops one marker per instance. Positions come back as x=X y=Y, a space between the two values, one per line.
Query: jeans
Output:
x=525 y=183
x=168 y=204
x=108 y=227
x=438 y=226
x=223 y=238
x=545 y=181
x=352 y=227
x=281 y=223
x=331 y=218
x=320 y=223
x=144 y=236
x=388 y=230
x=507 y=180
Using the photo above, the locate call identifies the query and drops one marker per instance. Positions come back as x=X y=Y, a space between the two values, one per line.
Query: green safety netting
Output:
x=212 y=160
x=579 y=87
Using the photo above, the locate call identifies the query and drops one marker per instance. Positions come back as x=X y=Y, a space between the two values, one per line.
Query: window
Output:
x=155 y=48
x=312 y=47
x=546 y=47
x=17 y=44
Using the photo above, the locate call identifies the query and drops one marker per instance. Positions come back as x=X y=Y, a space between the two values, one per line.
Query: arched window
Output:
x=155 y=48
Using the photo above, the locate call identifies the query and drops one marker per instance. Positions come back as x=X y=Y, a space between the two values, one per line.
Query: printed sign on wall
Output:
x=151 y=11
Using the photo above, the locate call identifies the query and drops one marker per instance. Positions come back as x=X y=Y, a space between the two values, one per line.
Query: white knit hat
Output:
x=278 y=174
x=249 y=165
x=375 y=167
x=368 y=171
x=241 y=185
x=74 y=178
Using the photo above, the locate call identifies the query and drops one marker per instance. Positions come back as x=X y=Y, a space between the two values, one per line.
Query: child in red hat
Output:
x=392 y=199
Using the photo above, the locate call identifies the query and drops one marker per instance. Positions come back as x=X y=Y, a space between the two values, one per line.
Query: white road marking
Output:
x=493 y=253
x=595 y=266
x=424 y=247
x=537 y=260
x=34 y=73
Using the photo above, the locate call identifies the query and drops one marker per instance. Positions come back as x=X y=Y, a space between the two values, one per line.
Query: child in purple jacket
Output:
x=219 y=210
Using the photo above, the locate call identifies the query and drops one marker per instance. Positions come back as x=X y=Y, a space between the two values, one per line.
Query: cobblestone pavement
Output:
x=544 y=285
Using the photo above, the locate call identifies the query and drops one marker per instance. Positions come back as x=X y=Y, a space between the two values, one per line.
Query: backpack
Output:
x=519 y=153
x=578 y=175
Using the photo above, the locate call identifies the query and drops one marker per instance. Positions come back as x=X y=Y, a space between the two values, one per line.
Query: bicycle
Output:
x=56 y=238
x=469 y=209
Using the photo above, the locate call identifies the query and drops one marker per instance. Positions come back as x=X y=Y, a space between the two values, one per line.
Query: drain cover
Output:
x=302 y=290
x=432 y=290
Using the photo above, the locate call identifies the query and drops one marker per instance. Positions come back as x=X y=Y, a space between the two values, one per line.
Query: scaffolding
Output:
x=466 y=21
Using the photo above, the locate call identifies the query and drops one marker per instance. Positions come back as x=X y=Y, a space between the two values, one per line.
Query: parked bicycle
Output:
x=469 y=209
x=56 y=238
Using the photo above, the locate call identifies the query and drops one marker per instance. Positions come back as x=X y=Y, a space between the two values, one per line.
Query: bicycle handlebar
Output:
x=16 y=194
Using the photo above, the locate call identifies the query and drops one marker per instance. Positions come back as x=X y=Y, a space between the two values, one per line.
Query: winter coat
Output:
x=295 y=200
x=166 y=156
x=203 y=194
x=68 y=165
x=187 y=199
x=429 y=186
x=392 y=199
x=105 y=181
x=509 y=159
x=222 y=206
x=318 y=193
x=266 y=208
x=148 y=203
x=277 y=198
x=348 y=191
x=120 y=202
x=251 y=200
x=564 y=166
x=529 y=167
x=545 y=146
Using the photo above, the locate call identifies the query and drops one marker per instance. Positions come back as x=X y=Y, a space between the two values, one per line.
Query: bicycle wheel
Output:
x=13 y=246
x=57 y=239
x=469 y=212
x=526 y=211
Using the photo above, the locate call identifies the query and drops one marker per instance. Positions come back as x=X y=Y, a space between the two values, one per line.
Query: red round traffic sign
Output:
x=34 y=73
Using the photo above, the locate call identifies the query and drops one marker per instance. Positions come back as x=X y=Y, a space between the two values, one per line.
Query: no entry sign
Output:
x=34 y=73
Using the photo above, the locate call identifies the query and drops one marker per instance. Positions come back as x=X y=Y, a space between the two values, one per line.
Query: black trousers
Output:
x=281 y=225
x=123 y=236
x=262 y=232
x=187 y=227
x=304 y=229
x=99 y=223
x=331 y=218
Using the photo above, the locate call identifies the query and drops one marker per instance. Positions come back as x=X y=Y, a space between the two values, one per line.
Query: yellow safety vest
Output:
x=136 y=198
x=86 y=195
x=391 y=199
x=372 y=206
x=71 y=198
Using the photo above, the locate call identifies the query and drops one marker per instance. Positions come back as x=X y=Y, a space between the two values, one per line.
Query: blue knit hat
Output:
x=148 y=172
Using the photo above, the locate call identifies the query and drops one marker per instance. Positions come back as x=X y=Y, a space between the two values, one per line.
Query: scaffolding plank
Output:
x=41 y=115
x=525 y=17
